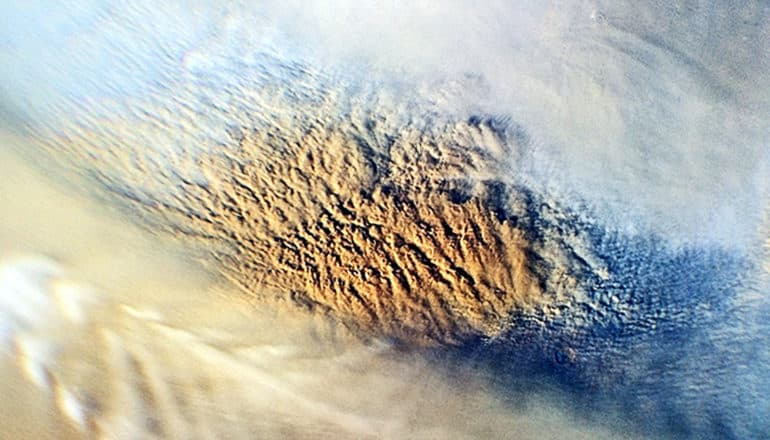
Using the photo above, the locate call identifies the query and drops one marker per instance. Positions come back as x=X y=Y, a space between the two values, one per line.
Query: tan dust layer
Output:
x=396 y=229
x=386 y=258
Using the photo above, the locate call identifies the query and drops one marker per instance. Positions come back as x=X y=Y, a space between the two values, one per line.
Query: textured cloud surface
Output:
x=559 y=202
x=110 y=333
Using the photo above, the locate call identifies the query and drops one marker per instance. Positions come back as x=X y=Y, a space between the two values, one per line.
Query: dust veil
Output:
x=654 y=116
x=133 y=338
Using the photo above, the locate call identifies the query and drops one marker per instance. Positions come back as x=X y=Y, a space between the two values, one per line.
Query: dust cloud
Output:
x=130 y=337
x=291 y=219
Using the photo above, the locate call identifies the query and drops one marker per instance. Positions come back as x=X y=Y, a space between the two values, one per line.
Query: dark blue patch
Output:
x=641 y=343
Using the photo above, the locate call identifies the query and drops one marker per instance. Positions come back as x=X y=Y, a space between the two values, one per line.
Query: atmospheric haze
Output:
x=357 y=220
